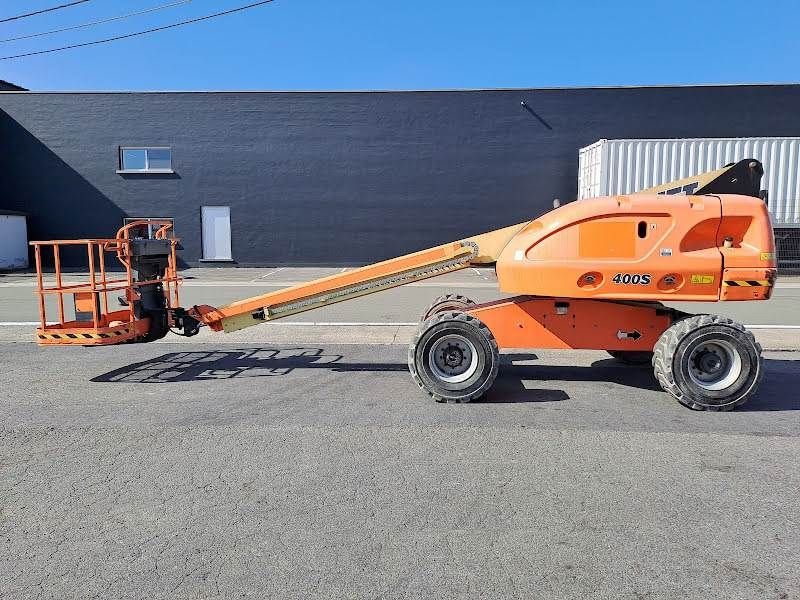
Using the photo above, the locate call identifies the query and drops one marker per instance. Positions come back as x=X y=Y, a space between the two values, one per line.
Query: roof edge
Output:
x=411 y=91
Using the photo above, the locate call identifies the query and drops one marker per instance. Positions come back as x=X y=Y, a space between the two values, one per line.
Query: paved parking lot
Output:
x=250 y=466
x=209 y=471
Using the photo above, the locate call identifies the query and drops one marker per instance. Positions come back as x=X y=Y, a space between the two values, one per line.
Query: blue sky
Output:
x=414 y=44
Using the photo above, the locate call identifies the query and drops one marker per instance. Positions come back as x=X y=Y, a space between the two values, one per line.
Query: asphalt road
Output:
x=212 y=470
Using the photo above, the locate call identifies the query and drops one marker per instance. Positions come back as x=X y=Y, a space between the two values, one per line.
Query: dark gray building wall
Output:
x=341 y=178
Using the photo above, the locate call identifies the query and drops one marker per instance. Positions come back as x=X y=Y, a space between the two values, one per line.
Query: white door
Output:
x=216 y=233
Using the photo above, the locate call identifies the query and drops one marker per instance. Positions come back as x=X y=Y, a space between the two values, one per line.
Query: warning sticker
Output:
x=767 y=256
x=703 y=279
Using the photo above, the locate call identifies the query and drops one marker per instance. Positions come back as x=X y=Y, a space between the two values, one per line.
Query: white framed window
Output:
x=145 y=159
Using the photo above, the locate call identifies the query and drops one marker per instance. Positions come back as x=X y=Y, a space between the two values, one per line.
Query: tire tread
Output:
x=447 y=300
x=667 y=345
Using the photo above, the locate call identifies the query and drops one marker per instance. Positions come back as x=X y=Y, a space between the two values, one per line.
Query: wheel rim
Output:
x=453 y=359
x=715 y=365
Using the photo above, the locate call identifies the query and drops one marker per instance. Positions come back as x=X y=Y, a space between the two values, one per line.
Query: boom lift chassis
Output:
x=588 y=275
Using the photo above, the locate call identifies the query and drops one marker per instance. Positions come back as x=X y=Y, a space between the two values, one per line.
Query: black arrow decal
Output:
x=634 y=335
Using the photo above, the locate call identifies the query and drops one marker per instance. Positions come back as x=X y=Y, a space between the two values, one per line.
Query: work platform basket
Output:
x=92 y=321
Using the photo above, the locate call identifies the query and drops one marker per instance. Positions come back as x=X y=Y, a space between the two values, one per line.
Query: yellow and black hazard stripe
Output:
x=747 y=283
x=82 y=336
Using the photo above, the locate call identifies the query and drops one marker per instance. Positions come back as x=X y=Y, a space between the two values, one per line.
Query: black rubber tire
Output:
x=159 y=327
x=672 y=354
x=447 y=302
x=472 y=329
x=632 y=357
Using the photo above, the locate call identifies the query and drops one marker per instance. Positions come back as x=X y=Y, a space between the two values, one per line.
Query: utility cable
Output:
x=44 y=10
x=138 y=33
x=91 y=23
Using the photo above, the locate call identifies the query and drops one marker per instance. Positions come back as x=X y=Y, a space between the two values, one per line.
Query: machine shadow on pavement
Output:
x=778 y=391
x=776 y=394
x=181 y=367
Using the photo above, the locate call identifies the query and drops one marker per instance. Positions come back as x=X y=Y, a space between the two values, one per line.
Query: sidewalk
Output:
x=271 y=276
x=286 y=276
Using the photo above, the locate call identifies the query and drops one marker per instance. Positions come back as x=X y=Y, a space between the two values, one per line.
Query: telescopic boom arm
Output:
x=481 y=249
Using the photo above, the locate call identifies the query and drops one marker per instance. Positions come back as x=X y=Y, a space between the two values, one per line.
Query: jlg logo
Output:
x=632 y=278
x=687 y=189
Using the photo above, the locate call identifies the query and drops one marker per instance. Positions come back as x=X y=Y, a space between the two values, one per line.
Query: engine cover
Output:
x=643 y=247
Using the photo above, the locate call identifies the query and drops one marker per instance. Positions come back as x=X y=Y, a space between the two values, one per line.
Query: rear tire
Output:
x=454 y=357
x=708 y=362
x=632 y=357
x=448 y=302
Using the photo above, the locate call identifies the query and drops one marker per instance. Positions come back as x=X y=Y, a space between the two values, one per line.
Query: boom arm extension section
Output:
x=481 y=249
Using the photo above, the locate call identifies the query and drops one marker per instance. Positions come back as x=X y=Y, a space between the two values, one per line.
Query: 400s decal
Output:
x=632 y=278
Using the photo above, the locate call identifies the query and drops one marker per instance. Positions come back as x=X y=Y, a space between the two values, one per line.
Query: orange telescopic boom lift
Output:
x=591 y=274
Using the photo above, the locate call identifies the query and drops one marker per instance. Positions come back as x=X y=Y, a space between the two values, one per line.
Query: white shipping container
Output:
x=13 y=241
x=610 y=167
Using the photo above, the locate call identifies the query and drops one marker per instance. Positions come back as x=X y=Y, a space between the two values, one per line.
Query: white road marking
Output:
x=260 y=283
x=346 y=324
x=299 y=323
x=772 y=326
x=265 y=275
x=357 y=324
x=282 y=284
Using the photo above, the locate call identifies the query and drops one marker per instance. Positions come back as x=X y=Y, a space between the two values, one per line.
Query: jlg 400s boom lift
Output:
x=590 y=274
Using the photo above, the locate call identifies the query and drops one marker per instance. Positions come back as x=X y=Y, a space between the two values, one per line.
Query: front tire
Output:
x=708 y=362
x=454 y=357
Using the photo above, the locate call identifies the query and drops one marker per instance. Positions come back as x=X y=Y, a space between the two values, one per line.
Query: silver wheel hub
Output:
x=715 y=365
x=453 y=358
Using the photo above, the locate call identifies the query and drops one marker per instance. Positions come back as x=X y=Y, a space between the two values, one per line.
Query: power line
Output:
x=138 y=33
x=44 y=10
x=90 y=24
